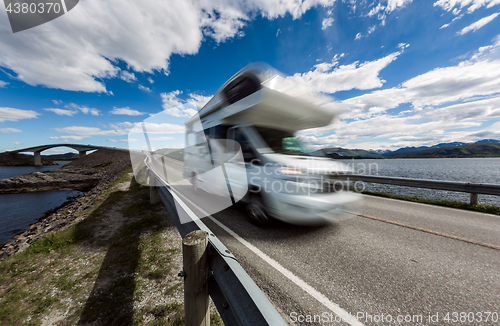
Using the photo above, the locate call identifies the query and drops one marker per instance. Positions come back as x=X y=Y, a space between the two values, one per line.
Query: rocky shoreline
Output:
x=48 y=181
x=90 y=174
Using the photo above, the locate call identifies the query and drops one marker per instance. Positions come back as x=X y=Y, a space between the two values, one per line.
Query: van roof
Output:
x=280 y=102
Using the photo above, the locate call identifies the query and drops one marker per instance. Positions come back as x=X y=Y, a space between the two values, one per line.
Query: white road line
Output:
x=335 y=308
x=64 y=6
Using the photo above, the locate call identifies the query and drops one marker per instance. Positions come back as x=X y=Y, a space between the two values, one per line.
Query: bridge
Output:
x=82 y=150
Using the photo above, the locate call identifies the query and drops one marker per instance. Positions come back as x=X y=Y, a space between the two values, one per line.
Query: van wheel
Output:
x=256 y=210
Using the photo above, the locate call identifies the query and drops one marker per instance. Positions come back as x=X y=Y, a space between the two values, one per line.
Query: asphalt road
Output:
x=417 y=263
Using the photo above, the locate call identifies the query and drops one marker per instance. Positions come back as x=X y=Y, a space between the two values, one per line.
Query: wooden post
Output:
x=195 y=261
x=153 y=196
x=473 y=199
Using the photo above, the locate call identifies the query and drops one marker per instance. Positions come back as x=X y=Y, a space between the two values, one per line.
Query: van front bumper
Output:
x=314 y=209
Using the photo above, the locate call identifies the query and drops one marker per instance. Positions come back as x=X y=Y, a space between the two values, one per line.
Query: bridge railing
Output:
x=473 y=188
x=238 y=299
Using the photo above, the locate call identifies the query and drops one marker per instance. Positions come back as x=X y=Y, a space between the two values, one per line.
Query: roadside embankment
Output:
x=82 y=174
x=116 y=263
x=91 y=174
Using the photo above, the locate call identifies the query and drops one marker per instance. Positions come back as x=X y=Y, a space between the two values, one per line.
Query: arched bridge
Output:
x=82 y=150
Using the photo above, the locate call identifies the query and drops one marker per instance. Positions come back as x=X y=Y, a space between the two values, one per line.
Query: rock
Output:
x=23 y=247
x=81 y=177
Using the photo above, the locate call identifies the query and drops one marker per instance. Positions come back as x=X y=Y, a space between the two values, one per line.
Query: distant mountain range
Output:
x=481 y=148
x=65 y=156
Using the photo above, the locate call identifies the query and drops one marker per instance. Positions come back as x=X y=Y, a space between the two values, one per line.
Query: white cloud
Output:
x=198 y=100
x=16 y=143
x=445 y=103
x=358 y=36
x=454 y=19
x=71 y=137
x=73 y=109
x=57 y=102
x=153 y=128
x=90 y=131
x=175 y=106
x=125 y=111
x=3 y=84
x=83 y=109
x=62 y=111
x=150 y=80
x=403 y=46
x=477 y=25
x=162 y=138
x=331 y=78
x=78 y=51
x=144 y=88
x=477 y=77
x=117 y=141
x=11 y=114
x=9 y=130
x=127 y=76
x=457 y=5
x=376 y=10
x=384 y=8
x=396 y=4
x=327 y=22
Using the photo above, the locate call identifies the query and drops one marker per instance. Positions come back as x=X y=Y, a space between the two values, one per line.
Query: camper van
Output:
x=255 y=116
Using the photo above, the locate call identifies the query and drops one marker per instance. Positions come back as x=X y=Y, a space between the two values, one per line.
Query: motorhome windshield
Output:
x=282 y=142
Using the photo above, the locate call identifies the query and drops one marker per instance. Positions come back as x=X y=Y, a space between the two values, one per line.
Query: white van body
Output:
x=261 y=111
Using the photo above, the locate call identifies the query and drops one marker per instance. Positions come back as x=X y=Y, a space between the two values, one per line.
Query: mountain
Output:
x=339 y=152
x=488 y=151
x=65 y=156
x=469 y=150
x=441 y=145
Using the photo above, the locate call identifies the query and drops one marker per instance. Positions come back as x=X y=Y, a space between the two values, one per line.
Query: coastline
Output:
x=90 y=174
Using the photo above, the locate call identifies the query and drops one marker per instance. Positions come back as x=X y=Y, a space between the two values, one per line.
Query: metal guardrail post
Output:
x=195 y=261
x=473 y=199
x=236 y=296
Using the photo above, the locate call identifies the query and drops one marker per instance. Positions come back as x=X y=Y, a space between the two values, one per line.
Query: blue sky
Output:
x=405 y=73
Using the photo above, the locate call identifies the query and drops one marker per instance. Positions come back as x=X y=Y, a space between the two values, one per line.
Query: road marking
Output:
x=64 y=6
x=335 y=308
x=488 y=245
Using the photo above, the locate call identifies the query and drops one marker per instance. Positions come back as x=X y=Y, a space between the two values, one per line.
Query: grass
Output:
x=98 y=272
x=491 y=209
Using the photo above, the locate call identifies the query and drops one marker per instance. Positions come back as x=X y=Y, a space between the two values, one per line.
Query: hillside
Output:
x=339 y=152
x=16 y=159
x=61 y=157
x=439 y=150
x=472 y=150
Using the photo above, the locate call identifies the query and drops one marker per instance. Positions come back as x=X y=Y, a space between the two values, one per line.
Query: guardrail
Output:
x=473 y=188
x=237 y=298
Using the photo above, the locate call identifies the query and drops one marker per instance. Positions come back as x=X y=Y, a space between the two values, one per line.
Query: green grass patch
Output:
x=170 y=314
x=58 y=241
x=107 y=274
x=491 y=209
